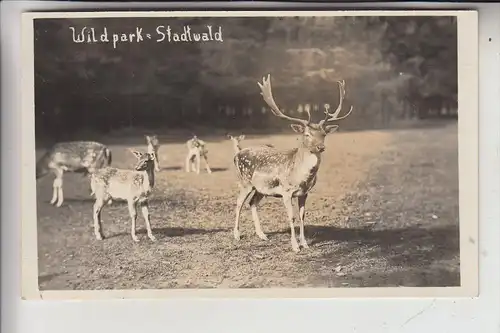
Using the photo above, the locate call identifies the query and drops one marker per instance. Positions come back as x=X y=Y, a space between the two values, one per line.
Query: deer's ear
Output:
x=136 y=153
x=241 y=137
x=153 y=156
x=229 y=136
x=331 y=128
x=298 y=128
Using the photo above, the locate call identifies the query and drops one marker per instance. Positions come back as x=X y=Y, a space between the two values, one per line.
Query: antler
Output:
x=267 y=94
x=335 y=116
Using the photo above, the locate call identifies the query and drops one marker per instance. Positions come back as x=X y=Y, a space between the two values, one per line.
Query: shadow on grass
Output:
x=412 y=246
x=47 y=277
x=172 y=168
x=172 y=232
x=179 y=168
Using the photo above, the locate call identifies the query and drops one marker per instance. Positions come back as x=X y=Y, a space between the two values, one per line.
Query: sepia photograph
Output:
x=231 y=151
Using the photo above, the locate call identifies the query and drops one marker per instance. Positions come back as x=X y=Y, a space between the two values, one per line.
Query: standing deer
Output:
x=196 y=149
x=236 y=142
x=153 y=147
x=75 y=156
x=287 y=174
x=134 y=186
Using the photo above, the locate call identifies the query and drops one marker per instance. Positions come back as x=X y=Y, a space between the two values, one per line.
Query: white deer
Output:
x=134 y=186
x=265 y=171
x=196 y=150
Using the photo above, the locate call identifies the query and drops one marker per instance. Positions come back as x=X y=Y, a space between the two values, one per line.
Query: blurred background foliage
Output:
x=395 y=68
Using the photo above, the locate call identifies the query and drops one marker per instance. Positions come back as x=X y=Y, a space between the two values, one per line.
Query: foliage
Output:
x=390 y=64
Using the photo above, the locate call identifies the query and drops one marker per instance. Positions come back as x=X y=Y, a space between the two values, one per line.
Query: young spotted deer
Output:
x=75 y=156
x=153 y=147
x=134 y=186
x=196 y=150
x=287 y=174
x=236 y=142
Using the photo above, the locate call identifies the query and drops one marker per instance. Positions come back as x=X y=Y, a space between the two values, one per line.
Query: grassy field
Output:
x=383 y=213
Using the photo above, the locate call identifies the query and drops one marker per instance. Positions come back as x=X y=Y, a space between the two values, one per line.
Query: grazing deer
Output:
x=236 y=142
x=153 y=147
x=196 y=149
x=287 y=174
x=134 y=186
x=75 y=156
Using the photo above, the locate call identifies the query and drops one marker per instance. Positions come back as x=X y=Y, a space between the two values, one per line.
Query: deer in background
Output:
x=236 y=142
x=75 y=156
x=286 y=174
x=134 y=186
x=153 y=147
x=196 y=150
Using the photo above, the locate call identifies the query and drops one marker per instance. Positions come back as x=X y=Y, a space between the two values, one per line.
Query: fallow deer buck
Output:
x=134 y=186
x=74 y=156
x=286 y=174
x=153 y=147
x=236 y=140
x=197 y=149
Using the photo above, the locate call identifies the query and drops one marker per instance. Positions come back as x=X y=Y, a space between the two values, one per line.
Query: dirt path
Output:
x=388 y=184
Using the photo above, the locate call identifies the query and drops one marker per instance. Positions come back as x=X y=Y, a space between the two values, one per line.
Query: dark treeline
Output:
x=394 y=68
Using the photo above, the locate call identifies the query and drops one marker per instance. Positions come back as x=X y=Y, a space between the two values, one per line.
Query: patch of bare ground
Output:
x=383 y=213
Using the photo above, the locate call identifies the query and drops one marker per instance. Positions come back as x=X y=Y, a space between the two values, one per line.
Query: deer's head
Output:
x=236 y=139
x=152 y=140
x=195 y=142
x=313 y=134
x=145 y=161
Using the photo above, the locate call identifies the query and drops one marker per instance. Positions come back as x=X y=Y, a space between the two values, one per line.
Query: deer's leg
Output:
x=254 y=202
x=99 y=203
x=302 y=213
x=188 y=162
x=193 y=163
x=207 y=167
x=57 y=195
x=145 y=214
x=157 y=162
x=244 y=194
x=133 y=215
x=54 y=190
x=198 y=162
x=287 y=200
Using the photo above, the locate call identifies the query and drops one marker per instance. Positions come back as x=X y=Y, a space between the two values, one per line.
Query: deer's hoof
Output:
x=304 y=245
x=295 y=247
x=152 y=238
x=99 y=237
x=59 y=204
x=236 y=235
x=135 y=239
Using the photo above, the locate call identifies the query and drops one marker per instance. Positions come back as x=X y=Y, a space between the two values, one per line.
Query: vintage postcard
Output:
x=250 y=154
